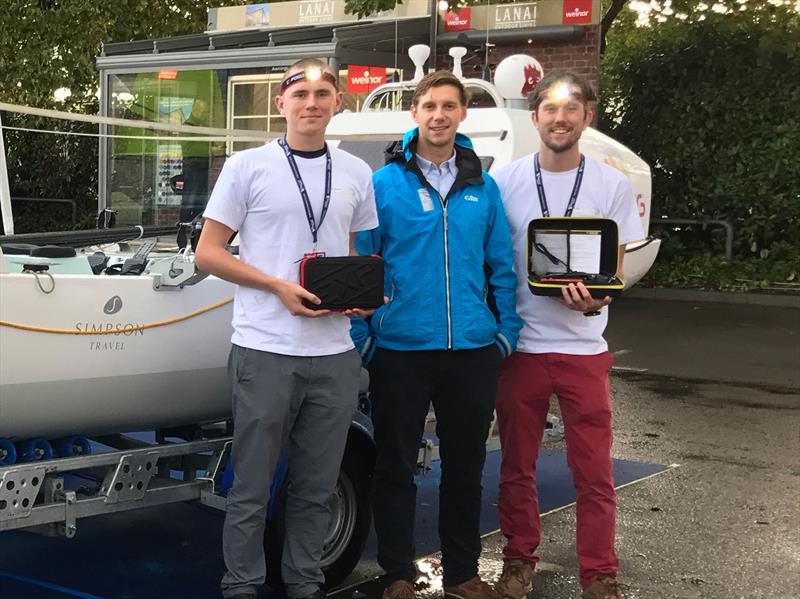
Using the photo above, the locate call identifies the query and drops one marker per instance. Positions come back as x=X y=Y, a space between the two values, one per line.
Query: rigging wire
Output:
x=145 y=137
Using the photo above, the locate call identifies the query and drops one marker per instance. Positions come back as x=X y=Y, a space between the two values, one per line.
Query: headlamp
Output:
x=563 y=91
x=312 y=74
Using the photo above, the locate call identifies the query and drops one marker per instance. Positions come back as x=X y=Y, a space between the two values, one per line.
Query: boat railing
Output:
x=397 y=95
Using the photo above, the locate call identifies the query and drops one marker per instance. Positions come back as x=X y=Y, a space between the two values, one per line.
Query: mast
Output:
x=5 y=192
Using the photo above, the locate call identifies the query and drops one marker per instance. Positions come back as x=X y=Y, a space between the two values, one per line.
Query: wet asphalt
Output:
x=712 y=389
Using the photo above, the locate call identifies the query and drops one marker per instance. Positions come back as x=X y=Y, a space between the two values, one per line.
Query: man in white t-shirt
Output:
x=294 y=371
x=561 y=349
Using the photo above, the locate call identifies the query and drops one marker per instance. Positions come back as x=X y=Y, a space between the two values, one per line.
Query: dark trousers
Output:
x=462 y=386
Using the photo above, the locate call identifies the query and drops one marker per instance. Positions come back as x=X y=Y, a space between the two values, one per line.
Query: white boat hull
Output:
x=119 y=377
x=639 y=258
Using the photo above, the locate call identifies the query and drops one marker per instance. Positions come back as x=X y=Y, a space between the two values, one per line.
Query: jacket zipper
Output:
x=446 y=271
x=391 y=297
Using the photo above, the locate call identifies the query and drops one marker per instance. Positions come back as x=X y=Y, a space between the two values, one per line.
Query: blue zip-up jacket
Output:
x=449 y=262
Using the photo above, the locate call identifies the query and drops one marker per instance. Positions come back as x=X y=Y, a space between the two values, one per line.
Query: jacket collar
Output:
x=467 y=161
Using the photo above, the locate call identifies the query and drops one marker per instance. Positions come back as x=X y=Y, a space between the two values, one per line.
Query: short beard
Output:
x=563 y=148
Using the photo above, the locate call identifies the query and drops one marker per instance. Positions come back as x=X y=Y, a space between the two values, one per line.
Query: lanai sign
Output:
x=317 y=11
x=514 y=16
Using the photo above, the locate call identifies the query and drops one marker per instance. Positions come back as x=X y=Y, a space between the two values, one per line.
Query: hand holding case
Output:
x=343 y=282
x=601 y=284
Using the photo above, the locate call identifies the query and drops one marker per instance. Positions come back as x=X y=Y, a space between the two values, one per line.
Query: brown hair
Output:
x=552 y=79
x=437 y=79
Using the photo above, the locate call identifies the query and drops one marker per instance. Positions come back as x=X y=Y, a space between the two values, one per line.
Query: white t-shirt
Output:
x=605 y=192
x=257 y=195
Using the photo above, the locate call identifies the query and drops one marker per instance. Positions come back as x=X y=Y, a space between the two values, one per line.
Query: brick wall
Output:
x=582 y=55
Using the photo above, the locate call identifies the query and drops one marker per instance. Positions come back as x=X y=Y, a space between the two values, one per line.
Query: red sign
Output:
x=458 y=21
x=167 y=74
x=362 y=79
x=576 y=12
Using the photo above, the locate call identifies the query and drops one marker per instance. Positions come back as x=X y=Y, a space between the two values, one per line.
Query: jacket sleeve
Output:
x=499 y=256
x=367 y=244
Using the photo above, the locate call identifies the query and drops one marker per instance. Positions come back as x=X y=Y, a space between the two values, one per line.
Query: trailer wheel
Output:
x=8 y=453
x=348 y=530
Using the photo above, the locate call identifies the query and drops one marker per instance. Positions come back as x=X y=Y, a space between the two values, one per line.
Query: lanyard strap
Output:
x=575 y=188
x=312 y=222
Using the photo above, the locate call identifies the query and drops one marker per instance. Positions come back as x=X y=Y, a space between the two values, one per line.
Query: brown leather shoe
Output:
x=474 y=588
x=603 y=587
x=400 y=589
x=516 y=581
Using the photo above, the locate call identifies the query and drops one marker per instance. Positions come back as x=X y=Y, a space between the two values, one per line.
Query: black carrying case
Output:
x=343 y=282
x=601 y=284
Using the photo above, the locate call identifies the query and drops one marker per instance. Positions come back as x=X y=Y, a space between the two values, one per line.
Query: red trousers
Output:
x=581 y=384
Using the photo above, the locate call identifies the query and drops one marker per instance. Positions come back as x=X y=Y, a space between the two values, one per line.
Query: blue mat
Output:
x=175 y=550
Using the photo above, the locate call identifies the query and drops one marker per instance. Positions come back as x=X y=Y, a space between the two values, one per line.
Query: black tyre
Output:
x=351 y=517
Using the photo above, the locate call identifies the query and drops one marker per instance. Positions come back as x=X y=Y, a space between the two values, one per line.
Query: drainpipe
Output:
x=433 y=9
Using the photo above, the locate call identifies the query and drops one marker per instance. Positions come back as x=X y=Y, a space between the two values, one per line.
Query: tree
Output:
x=708 y=96
x=50 y=44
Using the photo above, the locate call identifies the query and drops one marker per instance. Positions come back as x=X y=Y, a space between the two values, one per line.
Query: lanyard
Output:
x=540 y=187
x=312 y=222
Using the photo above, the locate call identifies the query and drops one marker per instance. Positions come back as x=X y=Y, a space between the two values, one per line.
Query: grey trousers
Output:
x=304 y=404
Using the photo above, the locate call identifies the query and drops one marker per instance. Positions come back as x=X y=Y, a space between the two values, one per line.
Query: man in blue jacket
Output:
x=449 y=321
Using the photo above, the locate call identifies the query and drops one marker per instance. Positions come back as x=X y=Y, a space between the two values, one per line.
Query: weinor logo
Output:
x=458 y=21
x=113 y=305
x=577 y=11
x=361 y=79
x=367 y=79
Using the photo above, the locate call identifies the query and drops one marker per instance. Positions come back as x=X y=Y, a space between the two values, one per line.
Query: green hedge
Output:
x=712 y=103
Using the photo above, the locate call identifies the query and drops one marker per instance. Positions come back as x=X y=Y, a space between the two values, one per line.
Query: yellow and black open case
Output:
x=571 y=249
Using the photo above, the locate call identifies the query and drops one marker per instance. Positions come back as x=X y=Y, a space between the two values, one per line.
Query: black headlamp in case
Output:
x=564 y=250
x=343 y=282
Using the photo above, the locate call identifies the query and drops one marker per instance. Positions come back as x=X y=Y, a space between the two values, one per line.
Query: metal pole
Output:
x=433 y=8
x=5 y=192
x=333 y=63
x=105 y=145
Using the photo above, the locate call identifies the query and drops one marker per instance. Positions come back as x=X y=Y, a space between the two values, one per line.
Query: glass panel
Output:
x=153 y=179
x=258 y=123
x=249 y=124
x=277 y=124
x=352 y=102
x=275 y=91
x=250 y=99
